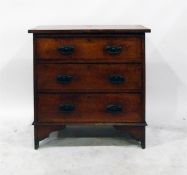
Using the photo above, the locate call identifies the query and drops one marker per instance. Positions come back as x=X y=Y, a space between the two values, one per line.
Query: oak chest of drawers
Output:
x=89 y=75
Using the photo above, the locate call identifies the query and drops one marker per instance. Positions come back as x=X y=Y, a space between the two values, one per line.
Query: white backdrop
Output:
x=166 y=67
x=166 y=48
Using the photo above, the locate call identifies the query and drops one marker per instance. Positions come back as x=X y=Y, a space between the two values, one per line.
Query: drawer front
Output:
x=89 y=49
x=88 y=77
x=77 y=108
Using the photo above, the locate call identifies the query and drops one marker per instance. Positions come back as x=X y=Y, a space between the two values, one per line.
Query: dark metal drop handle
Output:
x=113 y=49
x=116 y=78
x=66 y=107
x=64 y=79
x=66 y=50
x=114 y=108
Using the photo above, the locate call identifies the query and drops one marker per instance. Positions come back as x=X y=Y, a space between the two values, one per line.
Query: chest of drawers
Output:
x=89 y=75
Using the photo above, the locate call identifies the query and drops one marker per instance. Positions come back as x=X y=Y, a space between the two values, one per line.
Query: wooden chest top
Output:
x=90 y=29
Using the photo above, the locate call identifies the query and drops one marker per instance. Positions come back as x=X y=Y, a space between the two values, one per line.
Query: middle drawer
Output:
x=88 y=77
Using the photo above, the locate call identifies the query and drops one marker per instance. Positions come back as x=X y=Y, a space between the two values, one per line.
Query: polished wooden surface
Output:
x=88 y=77
x=90 y=29
x=90 y=49
x=89 y=108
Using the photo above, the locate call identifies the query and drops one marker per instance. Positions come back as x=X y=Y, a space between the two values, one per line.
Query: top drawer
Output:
x=90 y=49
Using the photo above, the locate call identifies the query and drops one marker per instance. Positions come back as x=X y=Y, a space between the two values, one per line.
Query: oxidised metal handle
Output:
x=113 y=108
x=64 y=79
x=113 y=49
x=66 y=107
x=116 y=78
x=66 y=50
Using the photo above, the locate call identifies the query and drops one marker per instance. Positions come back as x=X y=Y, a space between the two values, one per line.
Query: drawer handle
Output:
x=64 y=79
x=114 y=108
x=66 y=107
x=66 y=50
x=116 y=79
x=113 y=50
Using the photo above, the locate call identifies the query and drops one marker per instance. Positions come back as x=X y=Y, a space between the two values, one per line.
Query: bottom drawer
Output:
x=89 y=108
